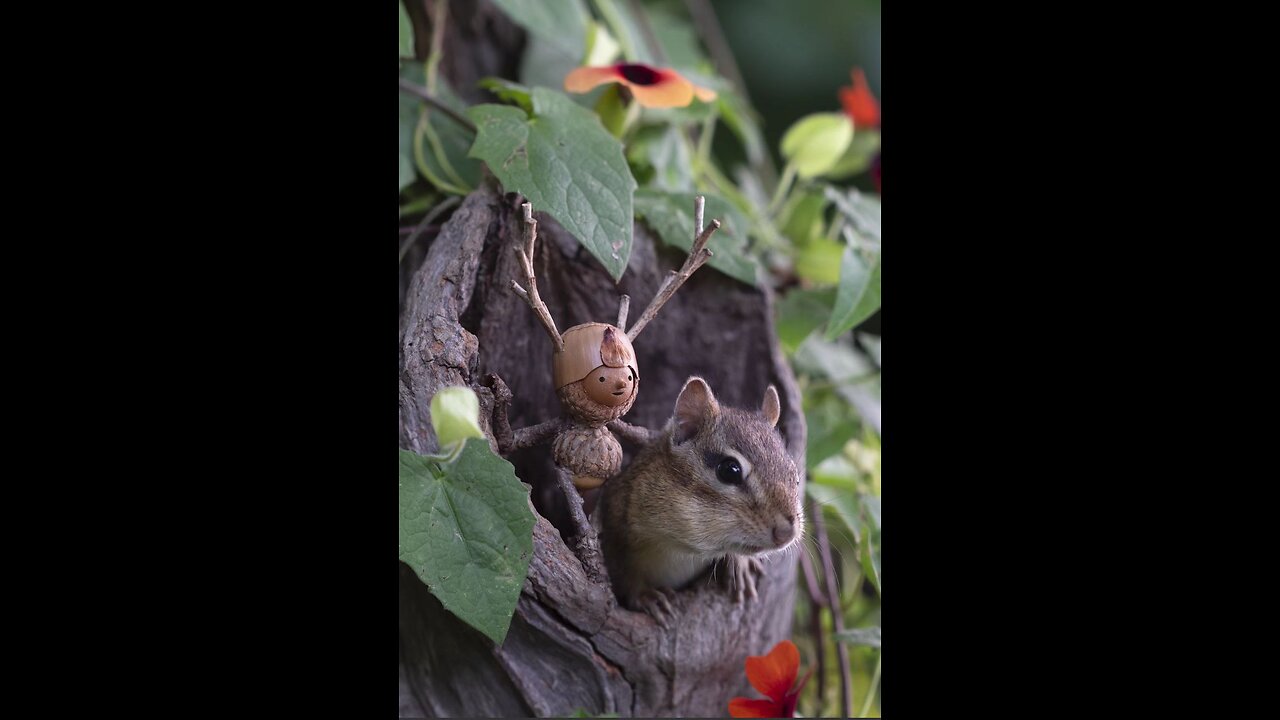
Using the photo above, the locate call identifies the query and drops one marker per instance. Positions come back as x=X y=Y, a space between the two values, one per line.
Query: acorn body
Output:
x=591 y=454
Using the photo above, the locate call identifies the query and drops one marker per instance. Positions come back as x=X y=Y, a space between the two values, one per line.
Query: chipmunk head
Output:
x=743 y=484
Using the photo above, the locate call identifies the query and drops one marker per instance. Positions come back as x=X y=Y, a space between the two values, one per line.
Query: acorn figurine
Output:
x=597 y=380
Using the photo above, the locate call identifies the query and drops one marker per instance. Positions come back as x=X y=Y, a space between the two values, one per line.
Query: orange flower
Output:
x=859 y=104
x=652 y=87
x=774 y=675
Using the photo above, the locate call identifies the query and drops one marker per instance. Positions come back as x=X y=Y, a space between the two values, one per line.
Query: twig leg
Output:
x=587 y=545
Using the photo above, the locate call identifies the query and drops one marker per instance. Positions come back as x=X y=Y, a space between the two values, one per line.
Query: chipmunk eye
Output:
x=729 y=471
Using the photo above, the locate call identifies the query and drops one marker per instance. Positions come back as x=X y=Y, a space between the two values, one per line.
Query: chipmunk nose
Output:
x=784 y=530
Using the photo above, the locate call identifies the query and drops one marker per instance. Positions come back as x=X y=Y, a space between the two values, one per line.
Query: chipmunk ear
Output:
x=695 y=407
x=771 y=408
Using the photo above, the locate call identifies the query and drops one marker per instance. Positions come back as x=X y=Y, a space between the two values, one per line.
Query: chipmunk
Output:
x=716 y=485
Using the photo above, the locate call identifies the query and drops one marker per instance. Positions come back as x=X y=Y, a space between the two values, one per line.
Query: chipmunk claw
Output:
x=743 y=572
x=657 y=603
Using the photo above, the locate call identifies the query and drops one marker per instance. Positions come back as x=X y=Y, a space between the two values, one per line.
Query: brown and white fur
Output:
x=681 y=505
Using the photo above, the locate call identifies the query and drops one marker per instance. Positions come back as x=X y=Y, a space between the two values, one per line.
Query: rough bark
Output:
x=570 y=645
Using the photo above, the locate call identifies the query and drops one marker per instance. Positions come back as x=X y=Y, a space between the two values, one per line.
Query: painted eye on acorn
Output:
x=729 y=471
x=601 y=378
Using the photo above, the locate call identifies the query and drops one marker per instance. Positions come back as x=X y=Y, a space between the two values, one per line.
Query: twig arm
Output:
x=507 y=440
x=632 y=433
x=525 y=253
x=536 y=434
x=624 y=306
x=698 y=256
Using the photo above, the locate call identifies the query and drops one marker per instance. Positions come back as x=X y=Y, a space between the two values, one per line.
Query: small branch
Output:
x=422 y=226
x=623 y=307
x=833 y=604
x=698 y=256
x=421 y=92
x=816 y=603
x=536 y=434
x=526 y=263
x=635 y=434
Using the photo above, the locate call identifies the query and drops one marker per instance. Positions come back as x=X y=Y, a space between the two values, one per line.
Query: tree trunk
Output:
x=571 y=646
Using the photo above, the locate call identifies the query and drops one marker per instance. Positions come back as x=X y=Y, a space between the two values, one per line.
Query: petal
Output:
x=582 y=79
x=859 y=104
x=773 y=674
x=743 y=707
x=671 y=90
x=704 y=94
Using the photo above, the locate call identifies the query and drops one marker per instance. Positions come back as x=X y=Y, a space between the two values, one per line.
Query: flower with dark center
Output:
x=652 y=87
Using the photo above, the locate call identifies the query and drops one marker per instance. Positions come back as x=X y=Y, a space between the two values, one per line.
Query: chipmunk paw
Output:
x=657 y=602
x=743 y=572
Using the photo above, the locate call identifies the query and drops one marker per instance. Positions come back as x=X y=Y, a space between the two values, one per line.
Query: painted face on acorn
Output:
x=611 y=387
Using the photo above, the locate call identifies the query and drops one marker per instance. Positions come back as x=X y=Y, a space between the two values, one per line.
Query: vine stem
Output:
x=817 y=602
x=871 y=688
x=433 y=101
x=426 y=221
x=833 y=604
x=784 y=185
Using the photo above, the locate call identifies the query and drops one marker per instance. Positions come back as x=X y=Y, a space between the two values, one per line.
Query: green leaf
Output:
x=858 y=295
x=843 y=501
x=825 y=440
x=872 y=345
x=870 y=510
x=437 y=144
x=858 y=157
x=861 y=210
x=508 y=91
x=467 y=531
x=871 y=558
x=744 y=123
x=815 y=142
x=665 y=150
x=612 y=111
x=800 y=312
x=601 y=47
x=406 y=33
x=671 y=216
x=835 y=361
x=545 y=64
x=869 y=636
x=455 y=415
x=567 y=165
x=560 y=22
x=408 y=120
x=803 y=216
x=818 y=261
x=625 y=29
x=679 y=41
x=406 y=171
